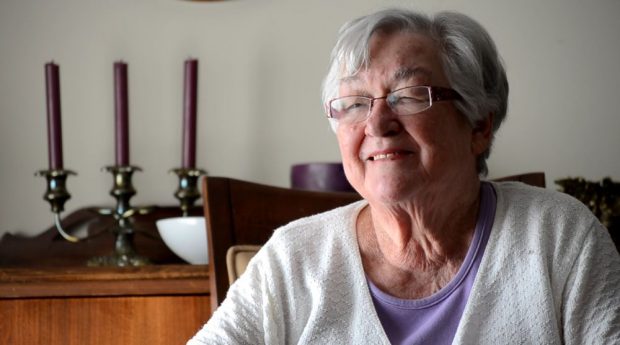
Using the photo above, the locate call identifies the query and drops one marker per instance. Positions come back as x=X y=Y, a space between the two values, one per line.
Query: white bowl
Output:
x=186 y=237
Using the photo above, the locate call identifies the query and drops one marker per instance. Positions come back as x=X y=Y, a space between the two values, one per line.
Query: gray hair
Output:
x=469 y=59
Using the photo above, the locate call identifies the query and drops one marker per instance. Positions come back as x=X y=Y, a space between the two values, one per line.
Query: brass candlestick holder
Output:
x=187 y=191
x=122 y=190
x=124 y=253
x=57 y=194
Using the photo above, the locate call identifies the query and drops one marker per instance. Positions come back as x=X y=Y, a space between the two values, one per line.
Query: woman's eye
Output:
x=407 y=100
x=354 y=106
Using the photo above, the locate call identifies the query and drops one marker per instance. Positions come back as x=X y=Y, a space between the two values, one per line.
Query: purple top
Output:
x=435 y=319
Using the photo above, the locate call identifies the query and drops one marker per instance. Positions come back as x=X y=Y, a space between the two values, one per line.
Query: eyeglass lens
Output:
x=405 y=101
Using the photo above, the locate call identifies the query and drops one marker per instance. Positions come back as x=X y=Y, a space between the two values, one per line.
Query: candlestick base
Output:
x=117 y=260
x=187 y=193
x=124 y=254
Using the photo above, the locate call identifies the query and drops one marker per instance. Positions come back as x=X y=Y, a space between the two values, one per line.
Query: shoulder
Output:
x=533 y=218
x=313 y=236
x=318 y=226
x=540 y=203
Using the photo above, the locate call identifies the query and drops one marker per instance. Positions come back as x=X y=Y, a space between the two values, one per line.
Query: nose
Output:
x=382 y=121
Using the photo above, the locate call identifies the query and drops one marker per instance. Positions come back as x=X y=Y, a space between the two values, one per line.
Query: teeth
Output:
x=383 y=156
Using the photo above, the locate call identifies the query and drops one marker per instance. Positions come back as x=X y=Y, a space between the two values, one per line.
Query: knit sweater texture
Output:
x=550 y=274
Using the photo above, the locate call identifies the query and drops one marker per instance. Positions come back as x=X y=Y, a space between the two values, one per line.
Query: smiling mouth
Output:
x=388 y=156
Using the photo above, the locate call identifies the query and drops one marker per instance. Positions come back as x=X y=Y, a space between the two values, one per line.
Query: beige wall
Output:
x=261 y=64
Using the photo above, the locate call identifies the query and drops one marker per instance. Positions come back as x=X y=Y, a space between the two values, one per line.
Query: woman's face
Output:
x=390 y=158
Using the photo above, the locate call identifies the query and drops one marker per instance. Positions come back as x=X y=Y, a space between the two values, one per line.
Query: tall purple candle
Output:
x=54 y=129
x=189 y=114
x=121 y=114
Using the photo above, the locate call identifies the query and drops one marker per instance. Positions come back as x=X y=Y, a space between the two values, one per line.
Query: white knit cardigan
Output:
x=549 y=275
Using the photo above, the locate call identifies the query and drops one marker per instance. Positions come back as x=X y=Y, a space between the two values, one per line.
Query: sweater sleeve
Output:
x=591 y=308
x=243 y=317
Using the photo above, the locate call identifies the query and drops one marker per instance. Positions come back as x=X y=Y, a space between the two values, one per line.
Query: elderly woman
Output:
x=432 y=255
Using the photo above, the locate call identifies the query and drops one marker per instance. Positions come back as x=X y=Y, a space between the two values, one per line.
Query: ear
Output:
x=482 y=134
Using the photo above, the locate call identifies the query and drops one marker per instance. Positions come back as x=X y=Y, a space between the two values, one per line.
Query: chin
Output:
x=388 y=192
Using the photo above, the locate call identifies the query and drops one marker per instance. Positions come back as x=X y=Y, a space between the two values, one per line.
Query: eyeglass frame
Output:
x=436 y=93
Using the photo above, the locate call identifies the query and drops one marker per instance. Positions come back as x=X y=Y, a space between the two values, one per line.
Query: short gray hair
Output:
x=469 y=59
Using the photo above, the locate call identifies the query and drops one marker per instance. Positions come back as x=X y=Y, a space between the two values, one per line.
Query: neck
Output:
x=428 y=236
x=433 y=221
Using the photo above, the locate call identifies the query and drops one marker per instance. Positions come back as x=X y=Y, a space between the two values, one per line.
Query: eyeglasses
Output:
x=406 y=101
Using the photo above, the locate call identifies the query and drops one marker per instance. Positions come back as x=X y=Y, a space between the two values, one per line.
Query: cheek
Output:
x=441 y=142
x=427 y=136
x=349 y=142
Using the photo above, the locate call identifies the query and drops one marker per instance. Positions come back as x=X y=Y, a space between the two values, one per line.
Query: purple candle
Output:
x=54 y=129
x=189 y=114
x=121 y=114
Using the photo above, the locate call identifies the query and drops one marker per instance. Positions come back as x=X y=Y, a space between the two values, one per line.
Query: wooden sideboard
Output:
x=49 y=296
x=163 y=304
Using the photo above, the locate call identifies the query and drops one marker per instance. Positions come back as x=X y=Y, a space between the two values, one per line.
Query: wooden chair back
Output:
x=536 y=179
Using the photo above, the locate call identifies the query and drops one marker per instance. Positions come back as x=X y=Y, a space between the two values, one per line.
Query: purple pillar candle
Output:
x=189 y=114
x=121 y=114
x=54 y=129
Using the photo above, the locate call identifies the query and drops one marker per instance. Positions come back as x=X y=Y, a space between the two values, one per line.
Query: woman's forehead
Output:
x=417 y=74
x=399 y=55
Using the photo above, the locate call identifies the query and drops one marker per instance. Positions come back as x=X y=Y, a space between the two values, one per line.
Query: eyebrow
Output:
x=405 y=73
